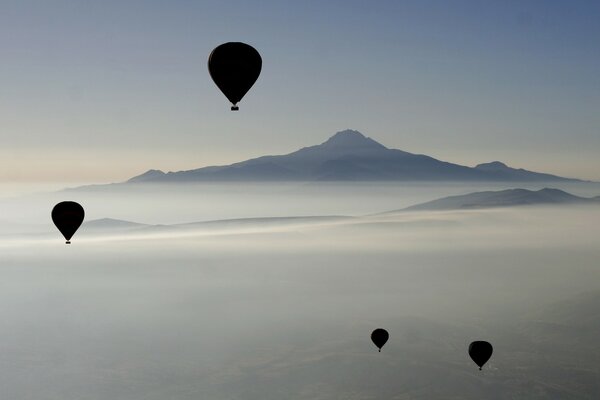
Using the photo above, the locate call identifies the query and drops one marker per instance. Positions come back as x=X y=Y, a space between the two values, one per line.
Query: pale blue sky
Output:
x=100 y=91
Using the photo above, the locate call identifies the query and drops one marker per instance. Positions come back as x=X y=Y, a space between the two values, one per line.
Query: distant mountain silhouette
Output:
x=347 y=156
x=502 y=198
x=110 y=224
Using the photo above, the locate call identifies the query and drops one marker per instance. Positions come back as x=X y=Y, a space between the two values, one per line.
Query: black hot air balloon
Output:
x=234 y=67
x=480 y=352
x=68 y=216
x=380 y=337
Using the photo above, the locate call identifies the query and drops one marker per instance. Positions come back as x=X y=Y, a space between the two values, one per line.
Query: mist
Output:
x=278 y=307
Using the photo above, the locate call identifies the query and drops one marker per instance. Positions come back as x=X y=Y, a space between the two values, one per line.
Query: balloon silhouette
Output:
x=480 y=352
x=68 y=216
x=234 y=67
x=380 y=337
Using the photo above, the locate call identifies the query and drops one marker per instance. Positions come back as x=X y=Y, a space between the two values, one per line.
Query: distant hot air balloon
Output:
x=68 y=216
x=480 y=352
x=380 y=337
x=234 y=67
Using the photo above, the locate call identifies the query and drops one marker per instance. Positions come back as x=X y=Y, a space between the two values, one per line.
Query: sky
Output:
x=100 y=91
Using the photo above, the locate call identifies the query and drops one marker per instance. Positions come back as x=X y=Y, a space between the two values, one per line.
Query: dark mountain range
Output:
x=348 y=156
x=503 y=198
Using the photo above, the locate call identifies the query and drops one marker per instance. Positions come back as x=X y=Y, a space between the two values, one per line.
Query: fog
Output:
x=272 y=308
x=173 y=203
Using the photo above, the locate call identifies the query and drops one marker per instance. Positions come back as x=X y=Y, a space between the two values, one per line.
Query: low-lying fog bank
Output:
x=172 y=204
x=283 y=308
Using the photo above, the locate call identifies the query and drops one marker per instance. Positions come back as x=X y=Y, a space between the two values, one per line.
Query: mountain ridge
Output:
x=502 y=198
x=348 y=155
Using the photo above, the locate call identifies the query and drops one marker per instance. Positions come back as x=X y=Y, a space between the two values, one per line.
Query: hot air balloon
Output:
x=234 y=67
x=380 y=337
x=480 y=351
x=68 y=216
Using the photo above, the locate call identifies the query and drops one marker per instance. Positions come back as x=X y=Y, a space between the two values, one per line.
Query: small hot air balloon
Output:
x=234 y=67
x=380 y=337
x=480 y=351
x=68 y=216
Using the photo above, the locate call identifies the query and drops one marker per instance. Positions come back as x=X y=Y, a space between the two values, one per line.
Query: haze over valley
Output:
x=263 y=291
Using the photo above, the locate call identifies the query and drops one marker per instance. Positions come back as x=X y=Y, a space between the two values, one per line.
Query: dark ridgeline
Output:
x=503 y=198
x=234 y=67
x=348 y=156
x=68 y=216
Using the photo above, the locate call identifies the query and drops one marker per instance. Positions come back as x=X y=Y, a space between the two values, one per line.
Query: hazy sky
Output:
x=100 y=91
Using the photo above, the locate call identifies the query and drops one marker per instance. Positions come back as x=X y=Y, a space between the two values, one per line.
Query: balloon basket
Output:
x=234 y=108
x=67 y=242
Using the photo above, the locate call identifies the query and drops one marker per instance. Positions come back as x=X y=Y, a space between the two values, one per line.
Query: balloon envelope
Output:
x=480 y=351
x=68 y=216
x=380 y=337
x=234 y=67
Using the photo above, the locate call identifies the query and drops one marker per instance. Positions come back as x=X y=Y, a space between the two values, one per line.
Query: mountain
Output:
x=239 y=225
x=111 y=224
x=502 y=172
x=347 y=156
x=502 y=198
x=148 y=176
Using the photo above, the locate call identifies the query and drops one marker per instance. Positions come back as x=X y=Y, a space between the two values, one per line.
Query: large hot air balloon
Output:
x=380 y=337
x=480 y=351
x=68 y=216
x=234 y=67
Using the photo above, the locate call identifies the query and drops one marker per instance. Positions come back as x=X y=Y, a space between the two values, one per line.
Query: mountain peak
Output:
x=147 y=176
x=348 y=155
x=351 y=139
x=494 y=165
